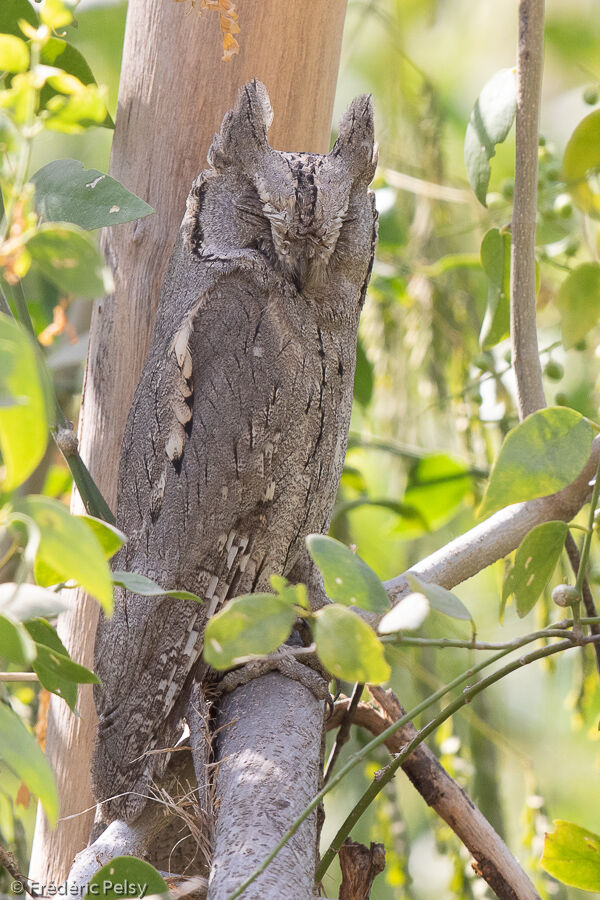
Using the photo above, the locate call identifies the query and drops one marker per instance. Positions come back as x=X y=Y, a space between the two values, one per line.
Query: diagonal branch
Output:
x=493 y=860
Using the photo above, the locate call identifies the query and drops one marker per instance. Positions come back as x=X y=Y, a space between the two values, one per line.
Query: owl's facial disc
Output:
x=305 y=220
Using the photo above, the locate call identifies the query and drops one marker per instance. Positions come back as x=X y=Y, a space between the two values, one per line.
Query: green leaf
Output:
x=140 y=584
x=347 y=578
x=20 y=750
x=109 y=536
x=53 y=665
x=14 y=54
x=294 y=594
x=437 y=485
x=572 y=854
x=24 y=424
x=77 y=112
x=489 y=124
x=69 y=547
x=495 y=259
x=13 y=10
x=540 y=456
x=364 y=376
x=252 y=625
x=65 y=56
x=534 y=563
x=348 y=647
x=55 y=14
x=27 y=601
x=578 y=300
x=126 y=876
x=581 y=163
x=69 y=258
x=66 y=192
x=444 y=601
x=15 y=644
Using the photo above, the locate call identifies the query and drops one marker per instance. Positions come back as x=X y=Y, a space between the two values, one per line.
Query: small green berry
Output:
x=580 y=345
x=561 y=399
x=508 y=188
x=553 y=370
x=541 y=140
x=590 y=95
x=565 y=595
x=485 y=362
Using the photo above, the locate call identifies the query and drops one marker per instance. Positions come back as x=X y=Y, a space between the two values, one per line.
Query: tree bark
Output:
x=173 y=94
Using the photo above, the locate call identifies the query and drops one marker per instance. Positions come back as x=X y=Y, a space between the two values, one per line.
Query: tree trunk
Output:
x=174 y=91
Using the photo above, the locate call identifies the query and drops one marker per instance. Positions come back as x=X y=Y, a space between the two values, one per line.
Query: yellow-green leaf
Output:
x=252 y=625
x=69 y=547
x=23 y=405
x=540 y=456
x=581 y=162
x=572 y=854
x=14 y=54
x=348 y=647
x=20 y=750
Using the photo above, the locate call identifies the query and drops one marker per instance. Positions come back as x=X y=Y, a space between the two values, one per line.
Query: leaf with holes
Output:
x=66 y=192
x=252 y=625
x=534 y=563
x=347 y=578
x=348 y=647
x=541 y=455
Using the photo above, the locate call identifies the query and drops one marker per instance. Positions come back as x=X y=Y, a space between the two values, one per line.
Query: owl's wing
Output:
x=201 y=480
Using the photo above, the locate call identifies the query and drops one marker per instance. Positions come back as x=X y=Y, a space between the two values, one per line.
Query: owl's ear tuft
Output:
x=356 y=139
x=243 y=135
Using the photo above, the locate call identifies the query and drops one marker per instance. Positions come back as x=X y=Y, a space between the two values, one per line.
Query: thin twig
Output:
x=18 y=676
x=344 y=731
x=8 y=861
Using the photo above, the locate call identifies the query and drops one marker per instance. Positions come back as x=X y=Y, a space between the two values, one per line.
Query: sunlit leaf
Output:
x=252 y=625
x=581 y=163
x=75 y=113
x=495 y=259
x=109 y=536
x=534 y=563
x=578 y=300
x=55 y=14
x=23 y=422
x=347 y=578
x=140 y=584
x=69 y=547
x=407 y=615
x=28 y=601
x=66 y=192
x=14 y=54
x=489 y=124
x=20 y=750
x=572 y=854
x=348 y=647
x=439 y=598
x=540 y=456
x=69 y=258
x=57 y=52
x=126 y=876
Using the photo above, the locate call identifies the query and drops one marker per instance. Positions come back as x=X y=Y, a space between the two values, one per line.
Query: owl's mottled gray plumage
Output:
x=235 y=442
